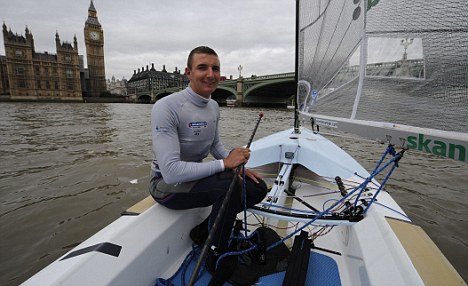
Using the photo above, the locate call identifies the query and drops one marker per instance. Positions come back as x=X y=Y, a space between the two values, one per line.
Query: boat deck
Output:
x=322 y=270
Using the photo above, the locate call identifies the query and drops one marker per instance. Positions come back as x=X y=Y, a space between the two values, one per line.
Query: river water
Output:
x=68 y=170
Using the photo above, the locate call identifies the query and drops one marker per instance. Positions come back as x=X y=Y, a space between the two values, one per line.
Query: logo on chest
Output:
x=197 y=126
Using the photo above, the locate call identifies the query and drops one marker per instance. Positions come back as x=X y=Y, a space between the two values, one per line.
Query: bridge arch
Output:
x=222 y=93
x=162 y=94
x=276 y=91
x=143 y=98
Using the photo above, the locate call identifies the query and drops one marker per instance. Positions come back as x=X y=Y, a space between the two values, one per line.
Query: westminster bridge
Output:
x=267 y=90
x=279 y=89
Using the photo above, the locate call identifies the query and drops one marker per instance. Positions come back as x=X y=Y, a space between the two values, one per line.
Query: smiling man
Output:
x=185 y=131
x=203 y=71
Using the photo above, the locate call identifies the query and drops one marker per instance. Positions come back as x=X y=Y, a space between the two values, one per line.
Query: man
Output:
x=185 y=131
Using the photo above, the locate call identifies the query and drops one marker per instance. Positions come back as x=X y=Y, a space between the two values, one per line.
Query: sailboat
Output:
x=360 y=66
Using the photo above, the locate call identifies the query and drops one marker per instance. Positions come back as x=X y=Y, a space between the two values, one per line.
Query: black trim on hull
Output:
x=348 y=217
x=105 y=247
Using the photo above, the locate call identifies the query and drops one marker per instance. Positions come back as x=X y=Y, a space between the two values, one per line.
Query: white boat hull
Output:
x=384 y=248
x=154 y=243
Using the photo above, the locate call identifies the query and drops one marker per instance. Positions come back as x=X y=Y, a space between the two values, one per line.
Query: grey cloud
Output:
x=258 y=34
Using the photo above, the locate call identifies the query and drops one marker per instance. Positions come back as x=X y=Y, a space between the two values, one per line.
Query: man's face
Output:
x=204 y=74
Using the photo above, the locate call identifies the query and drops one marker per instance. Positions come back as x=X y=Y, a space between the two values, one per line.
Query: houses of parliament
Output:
x=27 y=75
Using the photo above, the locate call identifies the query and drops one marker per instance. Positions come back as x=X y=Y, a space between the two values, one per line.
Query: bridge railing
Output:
x=254 y=77
x=270 y=76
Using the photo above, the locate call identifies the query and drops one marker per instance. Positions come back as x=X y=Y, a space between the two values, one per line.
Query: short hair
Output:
x=199 y=50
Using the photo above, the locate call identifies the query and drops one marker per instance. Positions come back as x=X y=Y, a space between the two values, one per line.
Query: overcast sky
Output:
x=257 y=34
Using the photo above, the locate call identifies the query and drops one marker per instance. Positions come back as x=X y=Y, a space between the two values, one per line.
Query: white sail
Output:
x=388 y=68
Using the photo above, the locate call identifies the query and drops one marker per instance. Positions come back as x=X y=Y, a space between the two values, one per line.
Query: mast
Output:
x=296 y=71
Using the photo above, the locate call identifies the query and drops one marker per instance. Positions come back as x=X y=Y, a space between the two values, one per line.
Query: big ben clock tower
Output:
x=94 y=40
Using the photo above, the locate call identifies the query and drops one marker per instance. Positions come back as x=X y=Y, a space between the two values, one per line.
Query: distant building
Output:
x=117 y=87
x=28 y=75
x=94 y=40
x=4 y=84
x=144 y=84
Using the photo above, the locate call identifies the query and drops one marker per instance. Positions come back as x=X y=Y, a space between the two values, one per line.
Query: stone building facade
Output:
x=94 y=40
x=117 y=87
x=28 y=75
x=146 y=83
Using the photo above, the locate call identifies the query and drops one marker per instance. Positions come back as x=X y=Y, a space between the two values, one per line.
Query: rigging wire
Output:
x=392 y=209
x=361 y=187
x=338 y=204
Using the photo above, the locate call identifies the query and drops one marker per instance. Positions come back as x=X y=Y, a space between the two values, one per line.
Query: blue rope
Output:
x=245 y=237
x=235 y=253
x=195 y=252
x=324 y=203
x=321 y=214
x=394 y=210
x=384 y=181
x=389 y=150
x=255 y=232
x=360 y=187
x=245 y=200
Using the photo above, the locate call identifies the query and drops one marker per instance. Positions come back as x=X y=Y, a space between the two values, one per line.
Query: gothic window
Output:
x=19 y=53
x=70 y=84
x=69 y=73
x=20 y=70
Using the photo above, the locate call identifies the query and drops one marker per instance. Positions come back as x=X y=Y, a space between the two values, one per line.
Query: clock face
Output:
x=94 y=35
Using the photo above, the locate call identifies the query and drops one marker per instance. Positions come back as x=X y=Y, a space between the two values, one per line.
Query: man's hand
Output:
x=256 y=177
x=237 y=157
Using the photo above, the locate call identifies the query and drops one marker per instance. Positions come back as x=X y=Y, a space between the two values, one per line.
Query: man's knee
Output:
x=258 y=191
x=262 y=187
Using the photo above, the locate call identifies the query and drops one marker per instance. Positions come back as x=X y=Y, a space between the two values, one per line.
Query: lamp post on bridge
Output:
x=404 y=69
x=405 y=43
x=240 y=88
